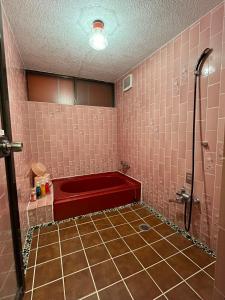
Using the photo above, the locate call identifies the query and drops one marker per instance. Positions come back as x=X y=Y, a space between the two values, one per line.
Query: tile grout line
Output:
x=92 y=277
x=122 y=237
x=140 y=264
x=60 y=252
x=114 y=263
x=34 y=273
x=116 y=211
x=180 y=251
x=165 y=238
x=202 y=268
x=167 y=264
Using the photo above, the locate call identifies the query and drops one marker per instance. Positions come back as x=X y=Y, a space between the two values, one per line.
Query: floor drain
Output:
x=144 y=227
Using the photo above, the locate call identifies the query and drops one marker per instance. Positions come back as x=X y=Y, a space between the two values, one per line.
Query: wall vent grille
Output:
x=127 y=82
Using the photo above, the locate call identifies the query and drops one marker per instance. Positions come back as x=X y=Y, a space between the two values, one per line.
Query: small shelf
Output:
x=41 y=210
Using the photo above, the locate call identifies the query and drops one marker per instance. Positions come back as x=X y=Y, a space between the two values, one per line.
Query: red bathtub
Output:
x=81 y=195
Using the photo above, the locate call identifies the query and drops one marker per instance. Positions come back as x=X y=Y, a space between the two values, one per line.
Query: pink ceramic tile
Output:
x=194 y=36
x=217 y=20
x=213 y=95
x=205 y=22
x=212 y=118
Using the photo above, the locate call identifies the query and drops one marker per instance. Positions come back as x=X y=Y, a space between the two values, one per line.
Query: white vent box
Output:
x=127 y=82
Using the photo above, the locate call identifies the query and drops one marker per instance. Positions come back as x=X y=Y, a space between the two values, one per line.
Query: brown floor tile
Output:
x=125 y=209
x=48 y=252
x=48 y=229
x=136 y=224
x=161 y=298
x=150 y=236
x=91 y=297
x=74 y=262
x=50 y=291
x=98 y=216
x=66 y=224
x=179 y=241
x=117 y=220
x=134 y=241
x=78 y=285
x=137 y=206
x=109 y=234
x=29 y=279
x=91 y=239
x=164 y=275
x=68 y=233
x=83 y=220
x=182 y=291
x=142 y=286
x=97 y=254
x=27 y=296
x=117 y=291
x=131 y=216
x=31 y=260
x=164 y=229
x=200 y=257
x=102 y=224
x=35 y=232
x=152 y=220
x=143 y=212
x=34 y=243
x=125 y=229
x=71 y=245
x=164 y=248
x=211 y=270
x=203 y=285
x=105 y=274
x=47 y=272
x=127 y=264
x=147 y=256
x=117 y=247
x=48 y=238
x=86 y=228
x=112 y=213
x=182 y=265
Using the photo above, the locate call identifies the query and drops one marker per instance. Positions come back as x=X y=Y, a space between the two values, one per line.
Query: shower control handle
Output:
x=6 y=147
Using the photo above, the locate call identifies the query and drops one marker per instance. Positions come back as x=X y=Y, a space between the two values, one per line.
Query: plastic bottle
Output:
x=43 y=192
x=47 y=187
x=38 y=190
x=33 y=196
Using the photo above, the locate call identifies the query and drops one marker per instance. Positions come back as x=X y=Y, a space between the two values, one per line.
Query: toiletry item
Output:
x=33 y=196
x=48 y=177
x=38 y=169
x=43 y=192
x=38 y=190
x=47 y=187
x=37 y=179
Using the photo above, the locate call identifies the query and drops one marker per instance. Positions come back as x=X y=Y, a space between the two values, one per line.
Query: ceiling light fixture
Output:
x=98 y=40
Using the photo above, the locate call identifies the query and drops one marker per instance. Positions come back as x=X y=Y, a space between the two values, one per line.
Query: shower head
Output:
x=201 y=60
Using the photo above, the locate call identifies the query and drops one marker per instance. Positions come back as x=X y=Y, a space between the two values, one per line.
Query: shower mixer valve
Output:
x=183 y=196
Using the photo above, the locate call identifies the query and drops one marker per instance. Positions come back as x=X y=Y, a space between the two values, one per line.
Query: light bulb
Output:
x=98 y=40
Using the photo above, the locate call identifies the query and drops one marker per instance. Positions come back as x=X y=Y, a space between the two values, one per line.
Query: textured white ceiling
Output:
x=53 y=34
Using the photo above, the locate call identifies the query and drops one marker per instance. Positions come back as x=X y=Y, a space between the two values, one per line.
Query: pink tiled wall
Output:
x=19 y=119
x=155 y=123
x=73 y=140
x=219 y=291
